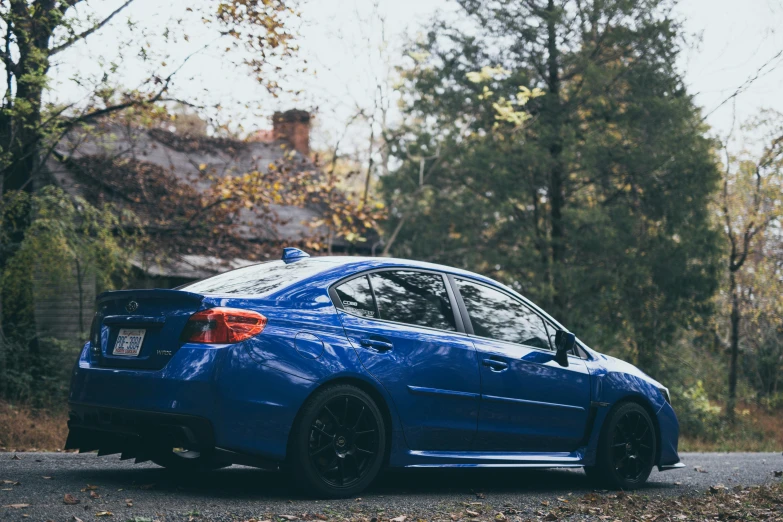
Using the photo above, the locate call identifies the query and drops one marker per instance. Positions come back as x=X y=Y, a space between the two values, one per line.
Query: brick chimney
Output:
x=293 y=126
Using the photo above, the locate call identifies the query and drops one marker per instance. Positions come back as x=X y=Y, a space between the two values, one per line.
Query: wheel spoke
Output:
x=322 y=432
x=332 y=415
x=364 y=432
x=358 y=419
x=362 y=450
x=320 y=450
x=341 y=466
x=345 y=413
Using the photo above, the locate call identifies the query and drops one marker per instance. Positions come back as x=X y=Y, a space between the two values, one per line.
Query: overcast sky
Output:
x=340 y=41
x=732 y=42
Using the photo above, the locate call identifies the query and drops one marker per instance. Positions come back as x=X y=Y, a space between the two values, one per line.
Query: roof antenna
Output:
x=291 y=254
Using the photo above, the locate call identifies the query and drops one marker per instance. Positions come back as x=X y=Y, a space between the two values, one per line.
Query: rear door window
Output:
x=356 y=297
x=412 y=297
x=499 y=316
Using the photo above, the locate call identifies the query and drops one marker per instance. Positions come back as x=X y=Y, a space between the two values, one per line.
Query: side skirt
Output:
x=473 y=459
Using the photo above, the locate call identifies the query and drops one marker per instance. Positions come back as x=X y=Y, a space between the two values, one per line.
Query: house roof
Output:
x=88 y=167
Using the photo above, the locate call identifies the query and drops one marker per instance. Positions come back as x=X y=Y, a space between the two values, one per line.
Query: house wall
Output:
x=64 y=309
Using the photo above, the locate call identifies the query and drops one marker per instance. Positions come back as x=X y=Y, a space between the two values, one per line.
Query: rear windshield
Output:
x=258 y=279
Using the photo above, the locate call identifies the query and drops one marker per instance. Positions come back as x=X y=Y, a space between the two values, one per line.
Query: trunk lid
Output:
x=158 y=315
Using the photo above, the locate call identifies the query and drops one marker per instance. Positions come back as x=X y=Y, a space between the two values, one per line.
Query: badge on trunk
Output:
x=132 y=307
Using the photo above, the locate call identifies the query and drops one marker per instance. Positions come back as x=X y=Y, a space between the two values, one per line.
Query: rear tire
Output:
x=626 y=449
x=187 y=461
x=338 y=442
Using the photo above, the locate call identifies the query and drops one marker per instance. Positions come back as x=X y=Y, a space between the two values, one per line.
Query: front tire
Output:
x=338 y=442
x=626 y=449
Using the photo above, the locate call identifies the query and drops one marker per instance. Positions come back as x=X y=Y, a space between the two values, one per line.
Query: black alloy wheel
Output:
x=633 y=446
x=338 y=445
x=627 y=448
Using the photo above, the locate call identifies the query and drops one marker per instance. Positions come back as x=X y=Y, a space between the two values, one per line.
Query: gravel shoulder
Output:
x=132 y=491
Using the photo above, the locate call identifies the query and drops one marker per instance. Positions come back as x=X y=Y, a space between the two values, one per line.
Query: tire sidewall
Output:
x=299 y=465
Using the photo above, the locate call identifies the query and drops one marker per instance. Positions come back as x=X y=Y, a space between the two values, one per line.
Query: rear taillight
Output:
x=223 y=326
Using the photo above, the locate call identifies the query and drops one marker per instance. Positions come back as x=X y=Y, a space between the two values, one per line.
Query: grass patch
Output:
x=25 y=429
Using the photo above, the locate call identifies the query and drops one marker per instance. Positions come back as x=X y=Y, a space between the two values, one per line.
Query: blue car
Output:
x=336 y=367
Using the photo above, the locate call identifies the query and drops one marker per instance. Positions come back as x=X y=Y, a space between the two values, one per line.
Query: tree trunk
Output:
x=734 y=347
x=556 y=171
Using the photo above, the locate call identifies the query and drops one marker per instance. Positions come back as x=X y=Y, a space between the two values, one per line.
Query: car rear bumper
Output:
x=141 y=435
x=248 y=407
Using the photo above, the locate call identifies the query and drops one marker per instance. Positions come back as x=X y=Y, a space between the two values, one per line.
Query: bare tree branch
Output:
x=81 y=36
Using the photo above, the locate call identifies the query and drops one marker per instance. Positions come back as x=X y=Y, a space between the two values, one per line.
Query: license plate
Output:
x=129 y=342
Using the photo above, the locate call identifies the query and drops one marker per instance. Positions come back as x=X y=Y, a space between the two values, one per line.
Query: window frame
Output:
x=469 y=321
x=453 y=302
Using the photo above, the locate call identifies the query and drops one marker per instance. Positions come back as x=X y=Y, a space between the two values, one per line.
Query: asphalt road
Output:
x=240 y=493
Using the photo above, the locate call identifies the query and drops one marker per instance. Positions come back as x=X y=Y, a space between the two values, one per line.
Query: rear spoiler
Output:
x=157 y=293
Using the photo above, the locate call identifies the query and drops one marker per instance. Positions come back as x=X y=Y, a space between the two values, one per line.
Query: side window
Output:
x=356 y=297
x=496 y=315
x=416 y=298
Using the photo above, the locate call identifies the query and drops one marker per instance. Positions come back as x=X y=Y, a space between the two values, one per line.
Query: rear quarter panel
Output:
x=267 y=379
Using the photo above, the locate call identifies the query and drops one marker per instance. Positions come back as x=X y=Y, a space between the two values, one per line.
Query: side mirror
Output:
x=564 y=343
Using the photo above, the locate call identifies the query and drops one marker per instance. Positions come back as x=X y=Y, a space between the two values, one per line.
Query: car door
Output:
x=404 y=329
x=528 y=401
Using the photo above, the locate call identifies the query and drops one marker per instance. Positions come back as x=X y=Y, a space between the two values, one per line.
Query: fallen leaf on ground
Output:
x=550 y=516
x=544 y=502
x=319 y=516
x=16 y=457
x=90 y=487
x=469 y=513
x=400 y=518
x=11 y=482
x=70 y=500
x=699 y=469
x=17 y=506
x=104 y=514
x=93 y=494
x=500 y=517
x=76 y=519
x=129 y=502
x=47 y=478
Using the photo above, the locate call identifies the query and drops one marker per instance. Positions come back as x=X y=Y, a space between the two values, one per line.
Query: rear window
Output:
x=258 y=279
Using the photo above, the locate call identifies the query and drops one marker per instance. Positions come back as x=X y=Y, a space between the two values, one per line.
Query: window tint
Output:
x=500 y=316
x=258 y=279
x=417 y=298
x=356 y=297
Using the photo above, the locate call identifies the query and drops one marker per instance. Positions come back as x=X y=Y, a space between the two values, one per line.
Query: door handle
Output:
x=495 y=365
x=381 y=346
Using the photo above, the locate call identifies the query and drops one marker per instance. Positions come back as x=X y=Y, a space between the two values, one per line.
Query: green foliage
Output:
x=597 y=206
x=66 y=241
